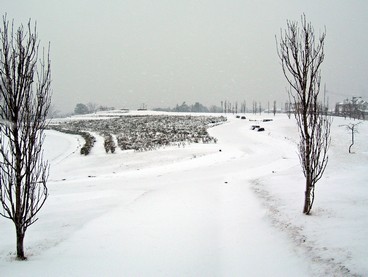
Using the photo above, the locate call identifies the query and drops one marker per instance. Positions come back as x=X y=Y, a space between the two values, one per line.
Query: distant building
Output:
x=355 y=107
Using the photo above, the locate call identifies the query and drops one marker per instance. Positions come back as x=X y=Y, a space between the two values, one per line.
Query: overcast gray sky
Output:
x=124 y=53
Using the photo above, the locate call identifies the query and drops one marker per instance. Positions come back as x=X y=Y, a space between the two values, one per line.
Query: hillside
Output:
x=231 y=208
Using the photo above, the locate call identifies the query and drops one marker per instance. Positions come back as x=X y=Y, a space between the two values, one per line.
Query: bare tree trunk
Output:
x=20 y=245
x=352 y=141
x=308 y=196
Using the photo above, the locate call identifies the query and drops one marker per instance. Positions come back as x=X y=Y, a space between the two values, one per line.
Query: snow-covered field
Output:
x=228 y=209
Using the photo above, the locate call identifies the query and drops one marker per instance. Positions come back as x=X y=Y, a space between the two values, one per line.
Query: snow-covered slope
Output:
x=226 y=209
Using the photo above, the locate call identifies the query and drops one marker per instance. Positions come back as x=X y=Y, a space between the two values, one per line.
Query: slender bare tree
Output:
x=25 y=97
x=301 y=55
x=353 y=128
x=92 y=107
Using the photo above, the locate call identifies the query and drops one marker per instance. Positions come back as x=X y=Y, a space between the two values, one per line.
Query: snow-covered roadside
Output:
x=178 y=211
x=335 y=235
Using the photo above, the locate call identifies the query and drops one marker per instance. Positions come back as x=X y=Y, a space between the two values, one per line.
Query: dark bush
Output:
x=109 y=143
x=89 y=142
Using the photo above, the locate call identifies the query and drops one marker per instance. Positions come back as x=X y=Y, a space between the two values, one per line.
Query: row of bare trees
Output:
x=228 y=107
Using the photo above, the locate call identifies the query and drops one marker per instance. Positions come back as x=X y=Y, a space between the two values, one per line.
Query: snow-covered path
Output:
x=195 y=217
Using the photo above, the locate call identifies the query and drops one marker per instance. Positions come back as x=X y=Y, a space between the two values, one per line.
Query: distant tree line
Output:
x=241 y=107
x=226 y=107
x=195 y=108
x=90 y=107
x=355 y=108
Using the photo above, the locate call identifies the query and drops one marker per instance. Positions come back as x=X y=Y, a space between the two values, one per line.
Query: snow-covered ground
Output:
x=228 y=209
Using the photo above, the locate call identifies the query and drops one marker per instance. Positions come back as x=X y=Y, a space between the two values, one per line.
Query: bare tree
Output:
x=260 y=108
x=351 y=127
x=254 y=107
x=25 y=100
x=92 y=107
x=53 y=112
x=301 y=56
